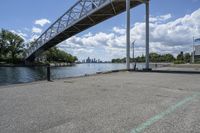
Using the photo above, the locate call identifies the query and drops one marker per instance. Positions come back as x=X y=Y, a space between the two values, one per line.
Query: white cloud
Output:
x=160 y=19
x=36 y=30
x=119 y=30
x=33 y=38
x=42 y=22
x=89 y=34
x=20 y=33
x=166 y=36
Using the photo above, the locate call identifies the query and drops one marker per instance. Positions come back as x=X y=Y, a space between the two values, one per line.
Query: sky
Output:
x=173 y=23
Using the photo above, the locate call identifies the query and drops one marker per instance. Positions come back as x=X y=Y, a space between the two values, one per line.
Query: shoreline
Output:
x=72 y=64
x=72 y=77
x=38 y=65
x=165 y=69
x=161 y=67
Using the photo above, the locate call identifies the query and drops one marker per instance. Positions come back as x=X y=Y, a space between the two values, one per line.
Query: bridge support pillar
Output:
x=128 y=34
x=147 y=35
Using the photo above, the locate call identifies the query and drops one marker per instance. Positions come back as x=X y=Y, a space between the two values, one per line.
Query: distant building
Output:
x=90 y=60
x=197 y=53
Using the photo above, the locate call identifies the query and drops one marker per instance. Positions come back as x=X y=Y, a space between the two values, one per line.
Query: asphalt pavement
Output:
x=123 y=102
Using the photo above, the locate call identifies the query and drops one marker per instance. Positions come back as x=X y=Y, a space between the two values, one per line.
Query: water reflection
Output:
x=12 y=75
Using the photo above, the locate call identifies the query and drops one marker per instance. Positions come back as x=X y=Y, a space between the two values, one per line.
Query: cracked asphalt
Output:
x=107 y=103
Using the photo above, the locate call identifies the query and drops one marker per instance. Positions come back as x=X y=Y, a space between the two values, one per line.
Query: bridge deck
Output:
x=100 y=11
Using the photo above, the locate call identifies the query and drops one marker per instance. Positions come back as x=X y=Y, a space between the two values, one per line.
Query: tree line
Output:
x=155 y=57
x=56 y=55
x=13 y=47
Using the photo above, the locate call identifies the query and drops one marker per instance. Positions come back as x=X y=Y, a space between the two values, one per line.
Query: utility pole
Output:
x=133 y=45
x=193 y=50
x=134 y=62
x=128 y=34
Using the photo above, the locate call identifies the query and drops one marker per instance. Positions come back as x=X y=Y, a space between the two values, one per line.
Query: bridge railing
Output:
x=79 y=10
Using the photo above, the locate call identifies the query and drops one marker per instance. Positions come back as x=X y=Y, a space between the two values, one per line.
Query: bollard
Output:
x=48 y=73
x=135 y=65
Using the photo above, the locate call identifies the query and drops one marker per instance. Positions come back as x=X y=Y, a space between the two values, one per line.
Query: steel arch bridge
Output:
x=81 y=16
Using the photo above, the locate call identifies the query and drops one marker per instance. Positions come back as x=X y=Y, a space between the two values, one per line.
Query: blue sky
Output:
x=21 y=16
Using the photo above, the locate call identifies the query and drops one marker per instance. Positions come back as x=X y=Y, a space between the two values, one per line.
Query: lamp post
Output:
x=193 y=50
x=133 y=45
x=134 y=62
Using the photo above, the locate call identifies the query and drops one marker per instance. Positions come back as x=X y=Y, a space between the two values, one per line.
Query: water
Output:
x=13 y=75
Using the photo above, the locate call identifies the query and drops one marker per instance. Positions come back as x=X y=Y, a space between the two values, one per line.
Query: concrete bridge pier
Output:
x=147 y=35
x=128 y=35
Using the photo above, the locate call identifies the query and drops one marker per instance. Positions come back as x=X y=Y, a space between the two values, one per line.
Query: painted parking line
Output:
x=155 y=118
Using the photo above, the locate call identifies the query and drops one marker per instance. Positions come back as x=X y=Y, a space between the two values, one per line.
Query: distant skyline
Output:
x=173 y=23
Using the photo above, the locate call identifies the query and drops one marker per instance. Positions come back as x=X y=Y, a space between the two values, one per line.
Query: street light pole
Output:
x=193 y=50
x=133 y=45
x=134 y=62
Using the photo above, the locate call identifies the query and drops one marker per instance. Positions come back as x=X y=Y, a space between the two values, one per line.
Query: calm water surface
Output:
x=13 y=75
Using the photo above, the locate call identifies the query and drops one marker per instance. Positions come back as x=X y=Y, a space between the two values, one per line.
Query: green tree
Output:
x=183 y=58
x=140 y=58
x=56 y=55
x=187 y=57
x=180 y=57
x=3 y=45
x=116 y=60
x=168 y=58
x=15 y=45
x=12 y=45
x=154 y=57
